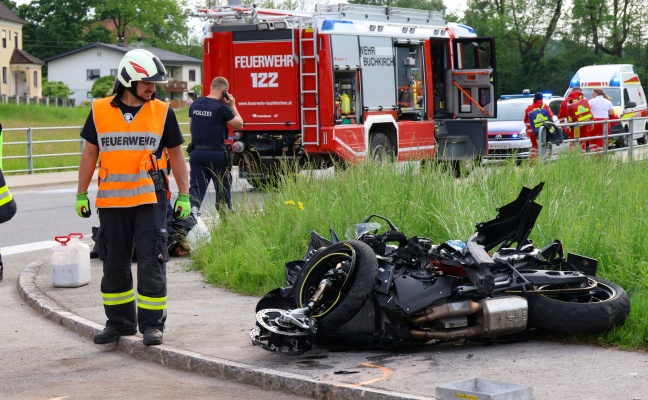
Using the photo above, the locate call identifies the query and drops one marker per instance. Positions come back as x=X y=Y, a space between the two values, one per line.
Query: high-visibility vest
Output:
x=128 y=152
x=537 y=117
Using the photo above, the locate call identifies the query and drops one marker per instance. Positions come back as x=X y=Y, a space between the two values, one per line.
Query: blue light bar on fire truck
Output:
x=343 y=26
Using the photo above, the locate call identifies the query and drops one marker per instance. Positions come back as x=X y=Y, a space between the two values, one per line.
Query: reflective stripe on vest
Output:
x=115 y=299
x=126 y=152
x=151 y=303
x=5 y=195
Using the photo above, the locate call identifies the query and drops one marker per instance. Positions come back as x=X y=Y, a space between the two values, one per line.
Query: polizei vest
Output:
x=127 y=153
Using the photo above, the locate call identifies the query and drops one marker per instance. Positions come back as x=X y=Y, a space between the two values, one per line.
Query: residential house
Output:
x=79 y=68
x=20 y=71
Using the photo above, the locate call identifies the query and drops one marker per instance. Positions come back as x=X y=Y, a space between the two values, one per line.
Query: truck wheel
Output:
x=381 y=148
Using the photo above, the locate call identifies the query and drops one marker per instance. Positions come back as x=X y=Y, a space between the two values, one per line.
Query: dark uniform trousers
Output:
x=120 y=229
x=206 y=166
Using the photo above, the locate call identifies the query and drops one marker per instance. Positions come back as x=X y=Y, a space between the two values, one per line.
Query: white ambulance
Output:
x=621 y=83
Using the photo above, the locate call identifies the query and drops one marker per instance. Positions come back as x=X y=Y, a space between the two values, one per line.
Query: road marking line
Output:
x=27 y=247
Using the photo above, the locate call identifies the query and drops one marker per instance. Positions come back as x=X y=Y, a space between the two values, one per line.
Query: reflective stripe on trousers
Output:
x=113 y=299
x=151 y=303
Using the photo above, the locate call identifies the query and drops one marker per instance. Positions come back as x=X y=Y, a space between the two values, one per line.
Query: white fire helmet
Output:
x=141 y=65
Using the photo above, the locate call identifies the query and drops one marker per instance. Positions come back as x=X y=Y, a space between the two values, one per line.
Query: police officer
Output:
x=209 y=158
x=130 y=131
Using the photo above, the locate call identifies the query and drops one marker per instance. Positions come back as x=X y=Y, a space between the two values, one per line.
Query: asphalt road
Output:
x=40 y=359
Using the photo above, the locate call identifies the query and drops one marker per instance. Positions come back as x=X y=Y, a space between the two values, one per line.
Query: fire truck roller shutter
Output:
x=378 y=73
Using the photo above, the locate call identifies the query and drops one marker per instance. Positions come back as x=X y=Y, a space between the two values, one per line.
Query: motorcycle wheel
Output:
x=344 y=299
x=598 y=310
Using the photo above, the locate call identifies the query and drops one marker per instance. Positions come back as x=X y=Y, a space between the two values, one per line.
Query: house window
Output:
x=113 y=72
x=16 y=39
x=35 y=78
x=89 y=95
x=192 y=75
x=4 y=74
x=4 y=39
x=92 y=74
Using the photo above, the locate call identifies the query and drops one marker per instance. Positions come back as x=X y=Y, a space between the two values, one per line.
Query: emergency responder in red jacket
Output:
x=574 y=95
x=131 y=132
x=534 y=116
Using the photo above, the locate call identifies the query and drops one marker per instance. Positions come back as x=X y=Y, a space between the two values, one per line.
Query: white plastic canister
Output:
x=70 y=262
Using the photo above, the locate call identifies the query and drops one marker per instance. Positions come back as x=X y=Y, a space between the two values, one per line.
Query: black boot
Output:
x=93 y=252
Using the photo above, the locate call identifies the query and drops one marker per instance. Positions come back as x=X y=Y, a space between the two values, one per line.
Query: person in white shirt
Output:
x=602 y=109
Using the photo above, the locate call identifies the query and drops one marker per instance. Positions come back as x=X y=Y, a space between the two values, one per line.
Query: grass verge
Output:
x=596 y=206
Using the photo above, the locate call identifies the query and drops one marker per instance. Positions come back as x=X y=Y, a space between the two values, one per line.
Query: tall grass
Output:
x=596 y=206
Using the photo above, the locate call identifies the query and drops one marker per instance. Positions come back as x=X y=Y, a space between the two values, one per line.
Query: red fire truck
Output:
x=347 y=82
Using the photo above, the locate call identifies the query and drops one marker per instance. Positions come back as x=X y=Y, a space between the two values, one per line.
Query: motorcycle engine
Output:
x=426 y=276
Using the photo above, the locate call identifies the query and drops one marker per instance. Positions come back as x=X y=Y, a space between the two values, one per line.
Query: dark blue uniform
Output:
x=209 y=159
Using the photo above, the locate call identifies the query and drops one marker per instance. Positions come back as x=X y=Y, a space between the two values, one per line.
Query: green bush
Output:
x=103 y=87
x=56 y=89
x=197 y=90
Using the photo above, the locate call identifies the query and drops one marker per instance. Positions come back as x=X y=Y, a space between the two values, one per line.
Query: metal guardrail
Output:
x=631 y=133
x=31 y=155
x=545 y=150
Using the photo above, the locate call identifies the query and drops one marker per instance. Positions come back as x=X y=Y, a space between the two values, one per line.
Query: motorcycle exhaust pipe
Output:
x=447 y=336
x=458 y=309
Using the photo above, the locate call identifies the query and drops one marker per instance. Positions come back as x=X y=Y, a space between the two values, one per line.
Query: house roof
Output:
x=22 y=57
x=167 y=57
x=7 y=14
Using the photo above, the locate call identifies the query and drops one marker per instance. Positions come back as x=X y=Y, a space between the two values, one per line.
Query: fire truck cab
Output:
x=350 y=82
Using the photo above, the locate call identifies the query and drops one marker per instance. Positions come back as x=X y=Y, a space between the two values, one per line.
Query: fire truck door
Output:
x=470 y=83
x=378 y=73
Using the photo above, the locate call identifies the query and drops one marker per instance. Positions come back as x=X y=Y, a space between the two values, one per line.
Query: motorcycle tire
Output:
x=342 y=302
x=599 y=310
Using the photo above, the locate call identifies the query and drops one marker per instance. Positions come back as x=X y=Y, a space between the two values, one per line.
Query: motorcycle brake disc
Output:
x=270 y=320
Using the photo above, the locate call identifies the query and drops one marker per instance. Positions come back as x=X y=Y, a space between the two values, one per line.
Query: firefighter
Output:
x=534 y=116
x=131 y=131
x=7 y=203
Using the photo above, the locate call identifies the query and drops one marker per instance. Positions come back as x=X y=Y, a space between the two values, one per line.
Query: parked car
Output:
x=507 y=137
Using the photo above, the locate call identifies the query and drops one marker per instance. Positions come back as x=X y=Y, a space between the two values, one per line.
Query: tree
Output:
x=160 y=21
x=56 y=89
x=103 y=87
x=55 y=26
x=608 y=22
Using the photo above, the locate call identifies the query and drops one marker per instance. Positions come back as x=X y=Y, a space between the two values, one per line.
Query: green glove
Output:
x=83 y=205
x=182 y=207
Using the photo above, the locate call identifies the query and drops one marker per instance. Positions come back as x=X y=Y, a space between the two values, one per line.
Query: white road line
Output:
x=27 y=247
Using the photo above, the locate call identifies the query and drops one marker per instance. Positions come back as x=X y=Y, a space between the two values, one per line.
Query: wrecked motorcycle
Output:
x=387 y=289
